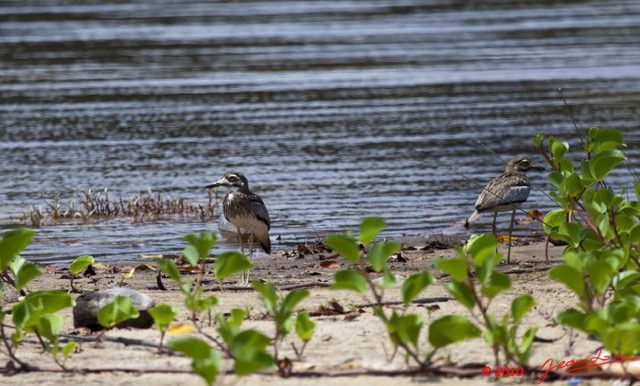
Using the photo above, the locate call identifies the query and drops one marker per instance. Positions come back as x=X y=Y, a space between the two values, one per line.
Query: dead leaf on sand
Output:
x=329 y=264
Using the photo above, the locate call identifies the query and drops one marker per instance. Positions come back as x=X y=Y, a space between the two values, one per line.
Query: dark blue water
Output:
x=335 y=110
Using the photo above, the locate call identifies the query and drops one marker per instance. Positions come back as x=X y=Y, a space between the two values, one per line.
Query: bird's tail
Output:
x=263 y=239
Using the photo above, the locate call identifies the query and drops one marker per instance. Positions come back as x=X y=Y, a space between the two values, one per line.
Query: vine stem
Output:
x=385 y=320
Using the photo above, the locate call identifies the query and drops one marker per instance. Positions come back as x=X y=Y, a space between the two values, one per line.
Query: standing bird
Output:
x=505 y=193
x=246 y=211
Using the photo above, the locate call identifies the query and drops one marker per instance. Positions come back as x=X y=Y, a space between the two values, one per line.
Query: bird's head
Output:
x=522 y=165
x=231 y=180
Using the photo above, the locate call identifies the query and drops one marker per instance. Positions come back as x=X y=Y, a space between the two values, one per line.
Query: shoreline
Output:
x=359 y=344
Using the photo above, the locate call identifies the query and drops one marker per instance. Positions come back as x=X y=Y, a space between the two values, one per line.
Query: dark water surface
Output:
x=334 y=109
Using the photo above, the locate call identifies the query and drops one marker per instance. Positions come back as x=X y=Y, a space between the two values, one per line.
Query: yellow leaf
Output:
x=506 y=238
x=156 y=256
x=145 y=267
x=129 y=275
x=181 y=328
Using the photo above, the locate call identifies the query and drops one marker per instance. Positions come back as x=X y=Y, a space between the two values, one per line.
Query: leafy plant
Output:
x=14 y=270
x=117 y=311
x=601 y=230
x=36 y=314
x=247 y=348
x=403 y=328
x=475 y=283
x=282 y=310
x=205 y=361
x=78 y=265
x=163 y=315
x=196 y=253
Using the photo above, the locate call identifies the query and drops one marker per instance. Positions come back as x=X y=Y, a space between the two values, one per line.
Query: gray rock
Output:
x=85 y=312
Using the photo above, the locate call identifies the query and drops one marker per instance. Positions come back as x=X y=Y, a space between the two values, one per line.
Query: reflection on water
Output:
x=335 y=110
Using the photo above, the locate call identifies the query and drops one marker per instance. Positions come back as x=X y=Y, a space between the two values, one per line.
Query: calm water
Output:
x=334 y=109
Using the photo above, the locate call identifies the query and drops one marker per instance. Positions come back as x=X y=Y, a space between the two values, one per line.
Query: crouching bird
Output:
x=246 y=211
x=505 y=193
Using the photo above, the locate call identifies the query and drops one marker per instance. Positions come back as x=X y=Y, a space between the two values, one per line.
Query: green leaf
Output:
x=205 y=361
x=570 y=277
x=27 y=273
x=553 y=219
x=498 y=282
x=190 y=252
x=625 y=278
x=414 y=284
x=304 y=326
x=520 y=306
x=606 y=139
x=195 y=348
x=405 y=328
x=462 y=292
x=163 y=315
x=481 y=247
x=269 y=295
x=388 y=280
x=229 y=263
x=68 y=349
x=170 y=269
x=601 y=275
x=450 y=329
x=203 y=243
x=369 y=229
x=622 y=339
x=379 y=254
x=572 y=318
x=350 y=279
x=558 y=149
x=228 y=328
x=603 y=162
x=80 y=263
x=571 y=232
x=27 y=312
x=634 y=234
x=249 y=351
x=292 y=299
x=572 y=185
x=117 y=311
x=13 y=242
x=524 y=349
x=345 y=246
x=456 y=268
x=49 y=326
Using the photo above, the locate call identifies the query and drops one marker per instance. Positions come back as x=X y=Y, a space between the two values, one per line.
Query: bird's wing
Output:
x=499 y=192
x=517 y=194
x=260 y=210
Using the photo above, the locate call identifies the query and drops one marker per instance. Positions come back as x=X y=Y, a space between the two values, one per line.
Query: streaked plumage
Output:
x=505 y=193
x=246 y=211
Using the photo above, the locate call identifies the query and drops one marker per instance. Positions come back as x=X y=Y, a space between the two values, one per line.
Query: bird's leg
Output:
x=493 y=227
x=240 y=241
x=513 y=215
x=245 y=274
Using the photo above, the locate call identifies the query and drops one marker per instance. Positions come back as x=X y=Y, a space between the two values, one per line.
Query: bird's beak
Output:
x=220 y=182
x=538 y=168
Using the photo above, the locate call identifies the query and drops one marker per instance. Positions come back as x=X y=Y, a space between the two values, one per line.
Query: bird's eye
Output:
x=524 y=162
x=233 y=178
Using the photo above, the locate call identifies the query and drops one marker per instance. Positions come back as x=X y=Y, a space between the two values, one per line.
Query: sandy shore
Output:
x=339 y=343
